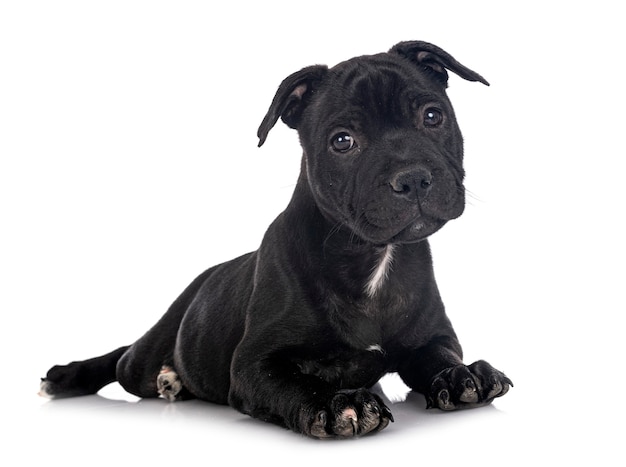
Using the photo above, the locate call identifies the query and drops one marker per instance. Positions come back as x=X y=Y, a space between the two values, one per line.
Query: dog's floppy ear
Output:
x=291 y=98
x=435 y=59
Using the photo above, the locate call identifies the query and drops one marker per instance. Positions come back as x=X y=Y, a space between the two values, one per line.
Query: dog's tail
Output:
x=81 y=378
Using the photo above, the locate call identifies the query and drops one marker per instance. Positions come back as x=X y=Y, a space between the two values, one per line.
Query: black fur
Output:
x=295 y=332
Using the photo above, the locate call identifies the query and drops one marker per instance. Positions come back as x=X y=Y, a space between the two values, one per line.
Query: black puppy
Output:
x=341 y=290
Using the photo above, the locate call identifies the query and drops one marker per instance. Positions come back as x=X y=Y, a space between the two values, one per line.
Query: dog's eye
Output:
x=432 y=117
x=343 y=142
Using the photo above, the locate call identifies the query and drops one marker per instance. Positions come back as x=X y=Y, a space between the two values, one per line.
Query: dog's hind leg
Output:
x=81 y=378
x=140 y=370
x=147 y=368
x=136 y=367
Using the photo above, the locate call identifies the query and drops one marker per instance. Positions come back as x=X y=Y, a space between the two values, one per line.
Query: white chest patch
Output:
x=381 y=271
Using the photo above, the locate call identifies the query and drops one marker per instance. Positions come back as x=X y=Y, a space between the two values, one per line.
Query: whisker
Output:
x=471 y=196
x=332 y=231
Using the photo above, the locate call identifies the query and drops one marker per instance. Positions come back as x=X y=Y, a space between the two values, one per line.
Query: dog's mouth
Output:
x=405 y=211
x=383 y=216
x=382 y=222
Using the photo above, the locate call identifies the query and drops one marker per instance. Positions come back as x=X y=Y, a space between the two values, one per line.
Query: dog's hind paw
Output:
x=45 y=389
x=169 y=384
x=350 y=413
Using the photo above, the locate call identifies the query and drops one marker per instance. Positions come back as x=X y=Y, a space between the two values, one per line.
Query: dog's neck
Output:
x=356 y=267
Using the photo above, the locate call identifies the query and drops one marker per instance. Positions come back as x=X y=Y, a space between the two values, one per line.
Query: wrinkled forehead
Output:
x=382 y=72
x=382 y=84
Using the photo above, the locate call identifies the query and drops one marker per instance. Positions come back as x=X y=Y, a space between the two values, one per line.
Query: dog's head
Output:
x=382 y=150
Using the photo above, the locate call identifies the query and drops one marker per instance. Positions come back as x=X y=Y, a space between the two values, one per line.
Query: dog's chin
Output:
x=415 y=231
x=419 y=231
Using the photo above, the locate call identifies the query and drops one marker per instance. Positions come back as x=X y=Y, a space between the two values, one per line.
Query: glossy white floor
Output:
x=129 y=164
x=113 y=428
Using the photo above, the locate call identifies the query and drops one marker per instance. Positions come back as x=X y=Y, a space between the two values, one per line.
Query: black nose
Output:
x=414 y=182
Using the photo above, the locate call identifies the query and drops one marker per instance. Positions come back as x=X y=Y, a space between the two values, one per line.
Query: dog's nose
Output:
x=414 y=182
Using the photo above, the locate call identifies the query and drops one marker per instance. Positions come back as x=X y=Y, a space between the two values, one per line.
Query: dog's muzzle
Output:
x=412 y=204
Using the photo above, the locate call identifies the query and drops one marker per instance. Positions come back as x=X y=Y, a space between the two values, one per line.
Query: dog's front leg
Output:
x=275 y=390
x=437 y=371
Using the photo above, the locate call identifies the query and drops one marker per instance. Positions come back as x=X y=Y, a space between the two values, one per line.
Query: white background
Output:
x=128 y=164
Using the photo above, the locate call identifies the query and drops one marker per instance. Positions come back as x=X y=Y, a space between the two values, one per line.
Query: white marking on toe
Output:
x=43 y=390
x=350 y=414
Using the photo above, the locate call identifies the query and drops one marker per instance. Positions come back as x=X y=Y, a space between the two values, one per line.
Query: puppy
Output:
x=341 y=290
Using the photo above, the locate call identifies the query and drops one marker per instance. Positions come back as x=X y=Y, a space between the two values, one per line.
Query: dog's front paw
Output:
x=348 y=414
x=467 y=386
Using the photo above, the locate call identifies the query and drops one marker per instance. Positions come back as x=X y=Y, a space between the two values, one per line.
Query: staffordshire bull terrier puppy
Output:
x=341 y=290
